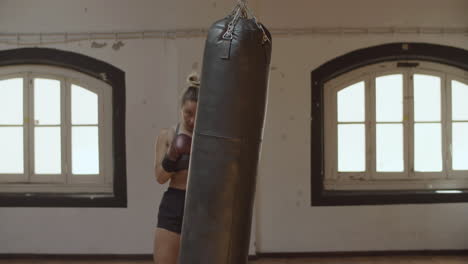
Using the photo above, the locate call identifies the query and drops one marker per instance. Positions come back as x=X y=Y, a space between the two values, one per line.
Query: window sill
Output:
x=55 y=188
x=61 y=200
x=369 y=197
x=395 y=184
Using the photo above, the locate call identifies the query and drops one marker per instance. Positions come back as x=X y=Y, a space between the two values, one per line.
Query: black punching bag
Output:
x=226 y=142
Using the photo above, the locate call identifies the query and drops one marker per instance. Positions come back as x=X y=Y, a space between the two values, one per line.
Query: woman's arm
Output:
x=162 y=145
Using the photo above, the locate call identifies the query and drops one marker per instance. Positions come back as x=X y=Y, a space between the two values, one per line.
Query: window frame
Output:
x=67 y=78
x=369 y=75
x=373 y=129
x=95 y=70
x=355 y=61
x=44 y=178
x=453 y=77
x=24 y=176
x=443 y=120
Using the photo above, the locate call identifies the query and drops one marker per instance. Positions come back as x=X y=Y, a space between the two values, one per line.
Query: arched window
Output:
x=58 y=132
x=394 y=130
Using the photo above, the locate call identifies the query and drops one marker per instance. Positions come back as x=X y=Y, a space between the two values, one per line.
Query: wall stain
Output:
x=284 y=137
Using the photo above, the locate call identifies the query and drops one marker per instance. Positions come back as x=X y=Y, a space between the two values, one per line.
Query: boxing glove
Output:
x=181 y=145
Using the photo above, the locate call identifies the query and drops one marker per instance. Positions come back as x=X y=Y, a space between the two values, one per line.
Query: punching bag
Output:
x=226 y=142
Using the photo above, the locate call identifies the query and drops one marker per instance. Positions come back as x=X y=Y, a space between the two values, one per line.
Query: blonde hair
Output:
x=191 y=93
x=193 y=79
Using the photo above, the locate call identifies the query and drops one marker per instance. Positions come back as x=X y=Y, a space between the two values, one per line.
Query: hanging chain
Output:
x=243 y=10
x=232 y=24
x=265 y=36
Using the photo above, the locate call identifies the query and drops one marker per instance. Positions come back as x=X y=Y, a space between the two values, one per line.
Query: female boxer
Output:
x=171 y=164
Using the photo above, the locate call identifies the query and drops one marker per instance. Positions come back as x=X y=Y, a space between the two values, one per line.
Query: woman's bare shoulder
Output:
x=166 y=133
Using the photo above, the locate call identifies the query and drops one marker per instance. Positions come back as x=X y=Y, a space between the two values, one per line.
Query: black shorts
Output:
x=171 y=210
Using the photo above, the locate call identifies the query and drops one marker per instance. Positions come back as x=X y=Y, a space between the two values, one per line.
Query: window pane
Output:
x=459 y=99
x=351 y=148
x=389 y=98
x=460 y=146
x=426 y=98
x=390 y=148
x=11 y=101
x=47 y=150
x=85 y=150
x=46 y=102
x=427 y=147
x=351 y=105
x=11 y=150
x=84 y=106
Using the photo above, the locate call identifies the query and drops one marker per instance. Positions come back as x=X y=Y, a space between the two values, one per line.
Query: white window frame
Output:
x=408 y=179
x=65 y=182
x=7 y=178
x=452 y=173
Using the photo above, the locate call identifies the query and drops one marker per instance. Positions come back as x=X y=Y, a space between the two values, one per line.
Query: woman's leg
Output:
x=166 y=247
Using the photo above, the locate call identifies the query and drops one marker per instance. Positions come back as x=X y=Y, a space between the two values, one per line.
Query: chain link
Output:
x=243 y=10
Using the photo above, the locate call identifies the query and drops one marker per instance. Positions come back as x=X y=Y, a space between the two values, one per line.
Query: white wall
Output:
x=363 y=13
x=151 y=97
x=287 y=222
x=103 y=15
x=155 y=75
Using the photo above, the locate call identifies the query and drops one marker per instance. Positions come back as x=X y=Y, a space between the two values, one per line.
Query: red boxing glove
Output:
x=181 y=144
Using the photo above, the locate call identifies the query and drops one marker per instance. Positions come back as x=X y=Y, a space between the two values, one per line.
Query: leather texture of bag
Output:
x=226 y=144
